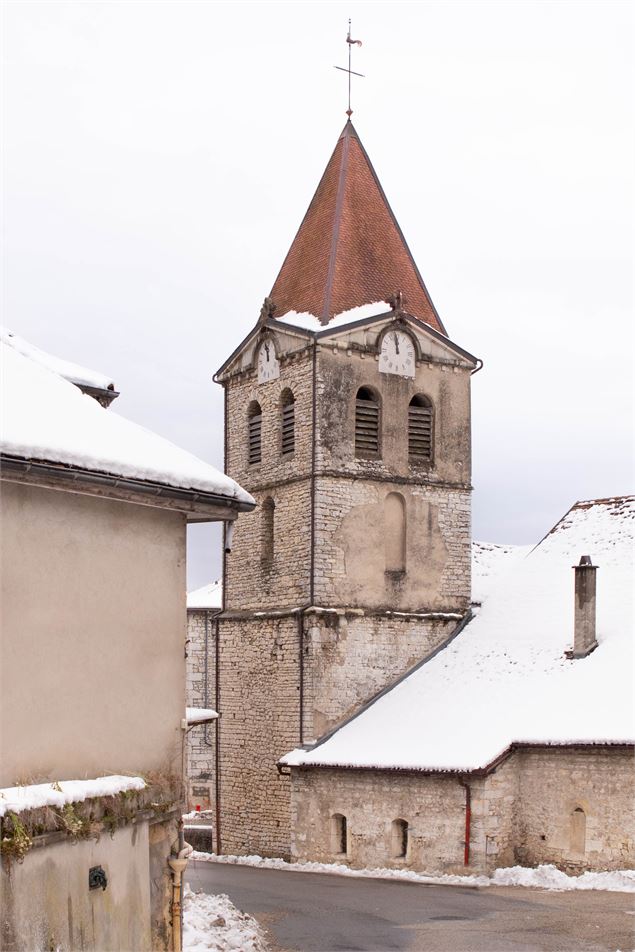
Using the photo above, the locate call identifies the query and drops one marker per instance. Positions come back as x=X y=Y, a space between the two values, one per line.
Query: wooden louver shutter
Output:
x=420 y=432
x=366 y=427
x=255 y=438
x=288 y=428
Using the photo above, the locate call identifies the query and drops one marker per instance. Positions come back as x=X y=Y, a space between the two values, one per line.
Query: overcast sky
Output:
x=159 y=156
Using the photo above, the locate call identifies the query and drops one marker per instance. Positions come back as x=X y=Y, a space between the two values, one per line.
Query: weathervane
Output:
x=351 y=44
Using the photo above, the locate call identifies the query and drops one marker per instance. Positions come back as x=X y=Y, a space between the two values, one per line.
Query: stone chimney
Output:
x=584 y=609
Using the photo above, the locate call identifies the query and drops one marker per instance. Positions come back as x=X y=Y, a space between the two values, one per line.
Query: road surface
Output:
x=313 y=912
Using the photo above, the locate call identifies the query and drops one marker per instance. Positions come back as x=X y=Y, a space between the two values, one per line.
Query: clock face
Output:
x=397 y=354
x=268 y=366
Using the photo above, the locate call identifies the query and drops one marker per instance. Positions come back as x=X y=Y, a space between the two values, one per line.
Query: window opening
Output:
x=366 y=423
x=288 y=423
x=267 y=540
x=254 y=417
x=399 y=839
x=339 y=844
x=420 y=428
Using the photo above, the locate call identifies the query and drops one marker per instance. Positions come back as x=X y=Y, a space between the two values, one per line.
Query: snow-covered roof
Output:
x=46 y=418
x=491 y=562
x=505 y=678
x=199 y=715
x=309 y=322
x=81 y=376
x=207 y=598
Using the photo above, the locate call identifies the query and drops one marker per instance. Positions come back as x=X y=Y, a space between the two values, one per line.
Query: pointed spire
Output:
x=349 y=249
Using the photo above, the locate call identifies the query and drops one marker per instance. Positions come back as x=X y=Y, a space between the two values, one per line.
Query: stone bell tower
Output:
x=348 y=419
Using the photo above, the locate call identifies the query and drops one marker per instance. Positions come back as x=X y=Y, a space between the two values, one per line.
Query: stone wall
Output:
x=522 y=813
x=201 y=740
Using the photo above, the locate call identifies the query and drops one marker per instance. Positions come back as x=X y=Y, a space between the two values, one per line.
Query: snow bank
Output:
x=59 y=793
x=213 y=922
x=309 y=322
x=64 y=368
x=542 y=877
x=46 y=418
x=207 y=598
x=508 y=657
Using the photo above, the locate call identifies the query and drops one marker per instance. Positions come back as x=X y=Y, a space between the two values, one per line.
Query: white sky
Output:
x=158 y=159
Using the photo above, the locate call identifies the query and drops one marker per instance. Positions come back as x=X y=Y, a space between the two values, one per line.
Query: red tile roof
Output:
x=349 y=249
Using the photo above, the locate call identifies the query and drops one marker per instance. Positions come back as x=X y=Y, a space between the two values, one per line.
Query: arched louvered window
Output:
x=366 y=423
x=339 y=837
x=267 y=534
x=254 y=433
x=420 y=429
x=287 y=441
x=399 y=839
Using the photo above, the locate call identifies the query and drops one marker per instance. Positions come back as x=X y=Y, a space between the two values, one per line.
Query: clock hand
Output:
x=396 y=342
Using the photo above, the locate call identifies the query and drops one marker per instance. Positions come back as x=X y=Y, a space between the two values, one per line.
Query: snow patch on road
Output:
x=214 y=923
x=541 y=877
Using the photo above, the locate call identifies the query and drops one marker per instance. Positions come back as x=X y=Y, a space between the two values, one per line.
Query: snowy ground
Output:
x=214 y=923
x=542 y=877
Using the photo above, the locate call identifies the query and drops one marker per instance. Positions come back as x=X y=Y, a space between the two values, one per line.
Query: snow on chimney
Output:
x=584 y=609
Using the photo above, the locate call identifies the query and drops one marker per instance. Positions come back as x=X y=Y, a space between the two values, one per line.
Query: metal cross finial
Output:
x=351 y=44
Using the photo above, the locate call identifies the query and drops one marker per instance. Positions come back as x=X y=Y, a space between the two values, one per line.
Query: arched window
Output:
x=395 y=532
x=366 y=423
x=267 y=536
x=578 y=831
x=287 y=441
x=339 y=844
x=399 y=839
x=254 y=432
x=420 y=429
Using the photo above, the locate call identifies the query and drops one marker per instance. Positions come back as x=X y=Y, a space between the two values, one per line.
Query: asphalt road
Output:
x=323 y=913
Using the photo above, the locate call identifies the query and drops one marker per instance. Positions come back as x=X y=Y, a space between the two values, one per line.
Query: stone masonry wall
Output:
x=201 y=740
x=553 y=784
x=348 y=658
x=259 y=703
x=520 y=814
x=433 y=807
x=350 y=564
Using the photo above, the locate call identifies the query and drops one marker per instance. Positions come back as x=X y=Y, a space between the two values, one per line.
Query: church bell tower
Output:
x=347 y=414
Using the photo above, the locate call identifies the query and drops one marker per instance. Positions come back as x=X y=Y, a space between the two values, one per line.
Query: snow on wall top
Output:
x=65 y=368
x=46 y=418
x=505 y=677
x=59 y=793
x=207 y=597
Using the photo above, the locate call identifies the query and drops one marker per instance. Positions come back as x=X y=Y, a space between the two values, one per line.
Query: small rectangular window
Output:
x=288 y=428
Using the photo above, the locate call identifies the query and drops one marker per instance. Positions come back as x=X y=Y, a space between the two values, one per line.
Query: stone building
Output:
x=94 y=512
x=203 y=605
x=348 y=419
x=348 y=589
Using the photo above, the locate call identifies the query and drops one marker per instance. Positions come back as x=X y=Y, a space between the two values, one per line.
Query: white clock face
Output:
x=268 y=366
x=397 y=354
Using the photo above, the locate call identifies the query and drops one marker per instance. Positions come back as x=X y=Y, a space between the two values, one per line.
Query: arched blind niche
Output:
x=395 y=532
x=267 y=532
x=578 y=831
x=420 y=429
x=366 y=423
x=254 y=432
x=287 y=422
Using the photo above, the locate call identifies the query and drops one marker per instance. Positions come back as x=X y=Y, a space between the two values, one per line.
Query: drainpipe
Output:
x=468 y=820
x=177 y=864
x=217 y=750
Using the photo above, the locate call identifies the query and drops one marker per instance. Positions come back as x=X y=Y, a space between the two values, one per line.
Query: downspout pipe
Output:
x=468 y=820
x=177 y=864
